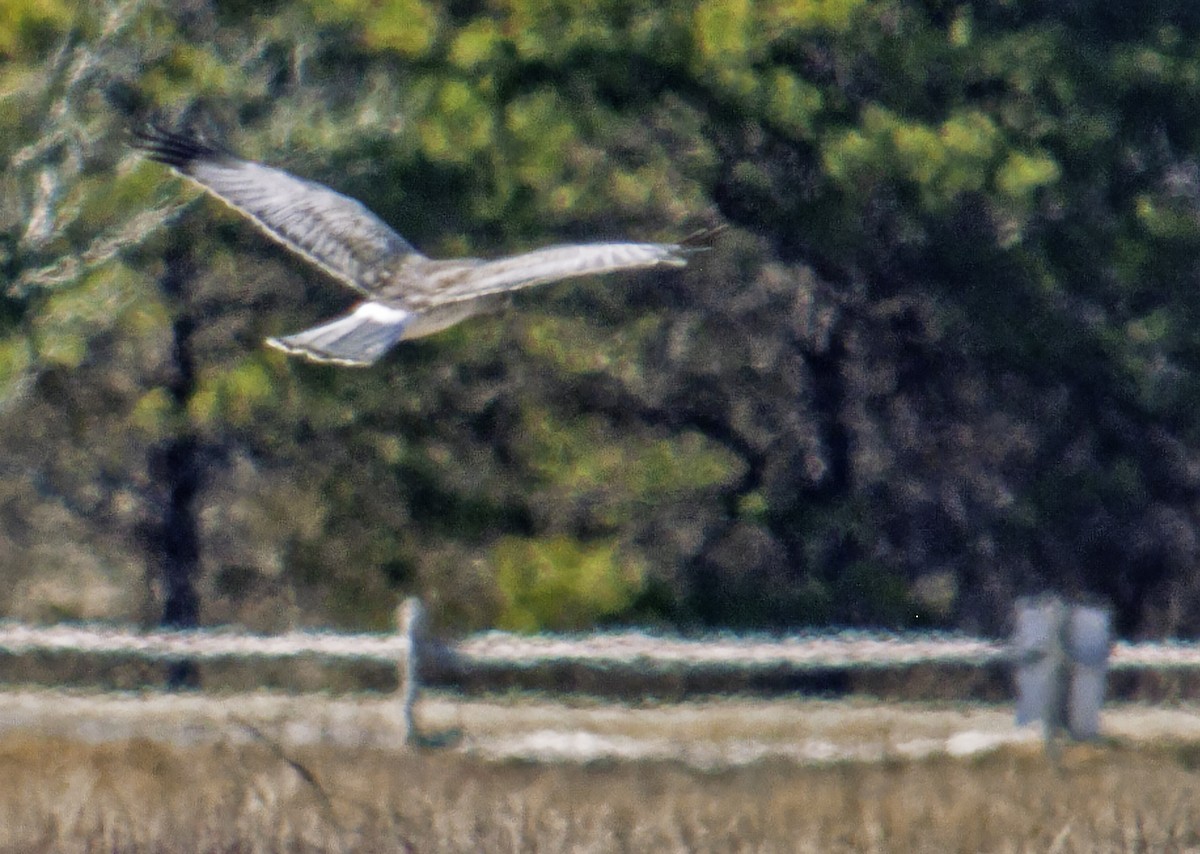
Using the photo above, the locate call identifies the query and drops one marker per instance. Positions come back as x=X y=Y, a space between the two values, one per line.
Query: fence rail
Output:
x=814 y=652
x=491 y=650
x=198 y=644
x=501 y=649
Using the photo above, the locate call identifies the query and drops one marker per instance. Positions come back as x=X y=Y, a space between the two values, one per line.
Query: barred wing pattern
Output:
x=333 y=231
x=560 y=262
x=408 y=295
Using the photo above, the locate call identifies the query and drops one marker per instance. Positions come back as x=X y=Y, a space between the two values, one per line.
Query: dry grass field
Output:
x=269 y=773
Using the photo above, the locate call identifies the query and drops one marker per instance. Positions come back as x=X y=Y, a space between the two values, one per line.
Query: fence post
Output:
x=408 y=625
x=1061 y=655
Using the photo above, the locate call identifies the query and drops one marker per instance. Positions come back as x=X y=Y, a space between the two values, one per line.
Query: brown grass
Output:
x=256 y=788
x=141 y=796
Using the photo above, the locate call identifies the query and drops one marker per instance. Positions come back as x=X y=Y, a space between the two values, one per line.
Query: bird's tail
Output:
x=359 y=338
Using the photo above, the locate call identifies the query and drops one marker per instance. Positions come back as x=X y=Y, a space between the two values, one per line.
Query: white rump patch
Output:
x=380 y=313
x=357 y=338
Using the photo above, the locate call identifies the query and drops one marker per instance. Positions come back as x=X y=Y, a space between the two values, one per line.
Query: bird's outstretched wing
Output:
x=560 y=262
x=332 y=231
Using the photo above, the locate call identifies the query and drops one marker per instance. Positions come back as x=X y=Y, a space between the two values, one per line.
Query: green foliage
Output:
x=572 y=345
x=558 y=583
x=457 y=126
x=190 y=70
x=1165 y=218
x=953 y=330
x=72 y=313
x=1022 y=174
x=732 y=34
x=154 y=413
x=753 y=506
x=792 y=105
x=732 y=43
x=407 y=27
x=587 y=461
x=553 y=30
x=28 y=27
x=724 y=33
x=547 y=158
x=235 y=395
x=15 y=361
x=961 y=154
x=478 y=44
x=100 y=200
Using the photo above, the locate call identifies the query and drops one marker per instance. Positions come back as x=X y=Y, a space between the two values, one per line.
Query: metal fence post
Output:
x=408 y=626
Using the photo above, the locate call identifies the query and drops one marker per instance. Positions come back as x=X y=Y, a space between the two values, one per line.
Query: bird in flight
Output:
x=406 y=295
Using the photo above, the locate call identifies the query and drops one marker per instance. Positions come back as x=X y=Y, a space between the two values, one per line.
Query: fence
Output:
x=408 y=646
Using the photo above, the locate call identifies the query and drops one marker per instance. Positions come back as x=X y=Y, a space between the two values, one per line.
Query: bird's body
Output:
x=407 y=294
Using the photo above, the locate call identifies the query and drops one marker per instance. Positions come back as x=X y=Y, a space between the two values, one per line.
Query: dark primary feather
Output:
x=174 y=149
x=703 y=239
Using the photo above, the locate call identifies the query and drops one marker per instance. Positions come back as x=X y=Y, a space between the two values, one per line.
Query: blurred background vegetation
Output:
x=947 y=351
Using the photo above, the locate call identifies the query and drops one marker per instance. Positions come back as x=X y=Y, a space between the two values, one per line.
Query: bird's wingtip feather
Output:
x=702 y=238
x=174 y=148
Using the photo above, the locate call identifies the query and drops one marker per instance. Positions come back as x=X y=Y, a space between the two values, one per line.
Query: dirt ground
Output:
x=712 y=735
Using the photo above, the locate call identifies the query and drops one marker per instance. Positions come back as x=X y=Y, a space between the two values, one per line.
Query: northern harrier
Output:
x=407 y=294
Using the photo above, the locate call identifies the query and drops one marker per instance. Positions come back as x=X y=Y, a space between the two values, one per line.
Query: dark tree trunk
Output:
x=178 y=469
x=180 y=550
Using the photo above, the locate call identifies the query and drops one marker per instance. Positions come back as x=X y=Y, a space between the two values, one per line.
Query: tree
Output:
x=945 y=355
